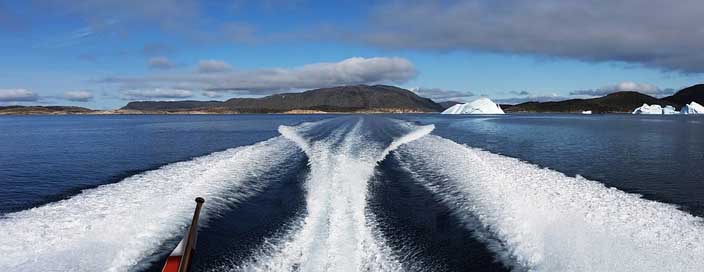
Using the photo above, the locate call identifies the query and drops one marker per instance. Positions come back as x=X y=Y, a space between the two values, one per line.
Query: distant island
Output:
x=36 y=110
x=619 y=102
x=368 y=99
x=611 y=103
x=344 y=99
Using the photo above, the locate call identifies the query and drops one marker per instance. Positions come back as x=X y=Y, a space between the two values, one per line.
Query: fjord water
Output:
x=659 y=157
x=352 y=193
x=47 y=158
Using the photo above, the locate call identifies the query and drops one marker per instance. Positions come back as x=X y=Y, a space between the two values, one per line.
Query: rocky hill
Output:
x=685 y=96
x=24 y=110
x=615 y=102
x=358 y=98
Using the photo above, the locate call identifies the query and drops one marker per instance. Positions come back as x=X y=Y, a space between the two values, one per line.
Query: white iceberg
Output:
x=669 y=110
x=692 y=108
x=648 y=109
x=482 y=105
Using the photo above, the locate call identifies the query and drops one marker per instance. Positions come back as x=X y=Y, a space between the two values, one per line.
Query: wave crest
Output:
x=539 y=219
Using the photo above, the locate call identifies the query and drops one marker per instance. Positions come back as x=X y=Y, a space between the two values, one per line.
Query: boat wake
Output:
x=541 y=220
x=529 y=218
x=116 y=227
x=336 y=233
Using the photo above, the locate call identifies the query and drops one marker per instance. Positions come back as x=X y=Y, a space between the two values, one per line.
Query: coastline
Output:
x=198 y=112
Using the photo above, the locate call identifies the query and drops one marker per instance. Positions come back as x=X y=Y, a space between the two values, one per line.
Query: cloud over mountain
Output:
x=157 y=93
x=17 y=95
x=350 y=71
x=213 y=66
x=78 y=96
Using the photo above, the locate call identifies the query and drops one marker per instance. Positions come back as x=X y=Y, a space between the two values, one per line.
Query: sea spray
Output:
x=539 y=219
x=337 y=234
x=115 y=227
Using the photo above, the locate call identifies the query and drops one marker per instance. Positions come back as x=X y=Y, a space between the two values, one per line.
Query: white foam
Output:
x=416 y=132
x=546 y=221
x=114 y=227
x=336 y=234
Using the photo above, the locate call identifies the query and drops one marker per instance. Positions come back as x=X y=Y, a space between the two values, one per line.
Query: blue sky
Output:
x=102 y=54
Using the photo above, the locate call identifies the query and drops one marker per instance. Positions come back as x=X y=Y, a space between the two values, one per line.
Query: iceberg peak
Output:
x=692 y=108
x=648 y=109
x=482 y=105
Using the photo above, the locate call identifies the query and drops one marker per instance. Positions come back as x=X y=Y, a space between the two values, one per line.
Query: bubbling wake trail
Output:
x=115 y=227
x=337 y=233
x=541 y=220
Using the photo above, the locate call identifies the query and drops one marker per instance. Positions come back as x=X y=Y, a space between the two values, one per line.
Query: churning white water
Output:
x=541 y=220
x=115 y=227
x=336 y=234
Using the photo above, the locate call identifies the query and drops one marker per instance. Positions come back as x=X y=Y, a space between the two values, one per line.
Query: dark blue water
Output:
x=47 y=158
x=659 y=157
x=44 y=159
x=411 y=217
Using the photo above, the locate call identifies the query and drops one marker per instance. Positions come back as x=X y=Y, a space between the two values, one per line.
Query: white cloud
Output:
x=520 y=93
x=78 y=96
x=17 y=95
x=212 y=94
x=213 y=66
x=350 y=71
x=629 y=86
x=161 y=63
x=157 y=93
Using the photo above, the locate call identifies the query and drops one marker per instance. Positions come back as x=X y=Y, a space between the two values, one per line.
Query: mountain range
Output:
x=26 y=110
x=693 y=93
x=357 y=98
x=612 y=103
x=367 y=99
x=615 y=102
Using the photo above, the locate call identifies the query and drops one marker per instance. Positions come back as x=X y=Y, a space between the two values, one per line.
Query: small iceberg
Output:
x=482 y=105
x=587 y=112
x=648 y=109
x=692 y=108
x=667 y=110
